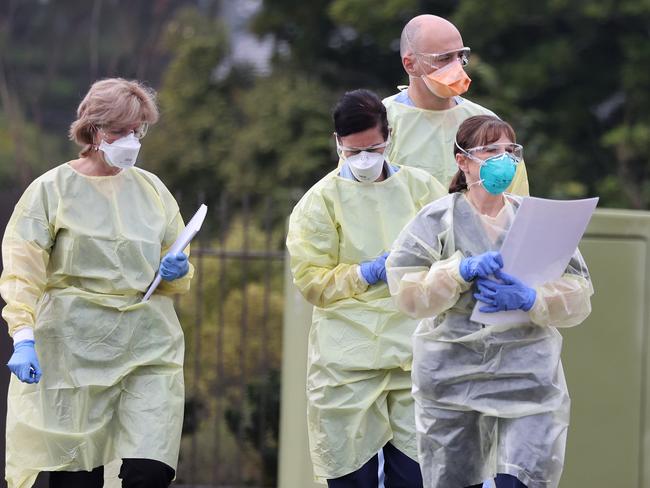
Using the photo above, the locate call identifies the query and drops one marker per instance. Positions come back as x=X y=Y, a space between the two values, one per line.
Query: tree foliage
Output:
x=569 y=76
x=50 y=53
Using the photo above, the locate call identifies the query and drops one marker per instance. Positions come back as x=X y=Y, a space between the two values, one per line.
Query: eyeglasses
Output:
x=438 y=60
x=516 y=150
x=115 y=133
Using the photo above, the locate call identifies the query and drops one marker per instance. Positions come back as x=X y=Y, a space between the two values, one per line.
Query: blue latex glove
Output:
x=512 y=294
x=374 y=270
x=480 y=266
x=24 y=363
x=174 y=266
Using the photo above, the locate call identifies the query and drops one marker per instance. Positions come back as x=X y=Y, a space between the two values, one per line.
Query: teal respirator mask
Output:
x=498 y=171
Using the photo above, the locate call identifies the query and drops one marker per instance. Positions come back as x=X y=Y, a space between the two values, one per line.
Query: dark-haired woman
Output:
x=359 y=384
x=489 y=399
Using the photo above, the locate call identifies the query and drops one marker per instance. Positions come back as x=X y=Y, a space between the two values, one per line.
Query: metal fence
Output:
x=232 y=320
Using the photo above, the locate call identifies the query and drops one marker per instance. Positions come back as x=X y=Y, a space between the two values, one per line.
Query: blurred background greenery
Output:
x=571 y=76
x=246 y=89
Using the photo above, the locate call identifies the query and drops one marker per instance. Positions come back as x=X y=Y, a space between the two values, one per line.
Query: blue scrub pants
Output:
x=503 y=481
x=400 y=471
x=508 y=481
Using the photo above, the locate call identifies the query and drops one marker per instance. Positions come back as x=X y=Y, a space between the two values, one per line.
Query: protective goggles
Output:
x=490 y=150
x=115 y=133
x=438 y=60
x=351 y=151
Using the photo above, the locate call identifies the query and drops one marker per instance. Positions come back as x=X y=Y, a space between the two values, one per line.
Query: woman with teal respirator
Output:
x=489 y=400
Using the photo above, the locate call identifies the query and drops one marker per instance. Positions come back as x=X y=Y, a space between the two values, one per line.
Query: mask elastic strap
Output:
x=474 y=183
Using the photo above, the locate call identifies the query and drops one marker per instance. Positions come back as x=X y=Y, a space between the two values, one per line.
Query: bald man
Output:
x=425 y=116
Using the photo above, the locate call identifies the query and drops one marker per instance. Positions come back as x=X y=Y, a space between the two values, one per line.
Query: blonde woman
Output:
x=98 y=375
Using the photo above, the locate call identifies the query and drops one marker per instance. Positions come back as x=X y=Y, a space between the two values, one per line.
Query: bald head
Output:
x=429 y=34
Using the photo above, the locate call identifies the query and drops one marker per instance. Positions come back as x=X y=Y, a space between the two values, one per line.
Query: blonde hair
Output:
x=112 y=102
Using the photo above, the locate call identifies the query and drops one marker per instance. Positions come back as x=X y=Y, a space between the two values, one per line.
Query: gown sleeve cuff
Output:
x=24 y=334
x=360 y=274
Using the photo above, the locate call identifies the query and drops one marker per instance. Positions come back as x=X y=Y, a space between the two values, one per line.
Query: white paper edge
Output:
x=181 y=242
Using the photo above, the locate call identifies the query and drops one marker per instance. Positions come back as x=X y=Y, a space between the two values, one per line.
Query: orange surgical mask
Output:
x=448 y=81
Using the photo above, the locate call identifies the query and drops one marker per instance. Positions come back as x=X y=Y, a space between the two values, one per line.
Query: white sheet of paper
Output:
x=539 y=246
x=181 y=242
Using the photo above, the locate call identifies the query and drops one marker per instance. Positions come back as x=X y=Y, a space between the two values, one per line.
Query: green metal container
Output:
x=605 y=359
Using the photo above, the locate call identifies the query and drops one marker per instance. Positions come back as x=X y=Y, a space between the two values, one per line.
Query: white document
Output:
x=539 y=246
x=181 y=242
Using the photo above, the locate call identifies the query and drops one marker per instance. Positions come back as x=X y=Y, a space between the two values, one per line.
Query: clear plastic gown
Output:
x=489 y=399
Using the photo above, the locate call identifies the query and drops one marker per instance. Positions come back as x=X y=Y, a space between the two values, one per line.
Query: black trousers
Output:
x=134 y=473
x=400 y=471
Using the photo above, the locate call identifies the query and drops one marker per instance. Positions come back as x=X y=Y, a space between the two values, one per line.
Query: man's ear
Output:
x=461 y=161
x=408 y=62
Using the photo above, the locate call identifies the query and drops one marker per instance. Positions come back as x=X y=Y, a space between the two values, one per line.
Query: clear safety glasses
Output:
x=117 y=133
x=490 y=150
x=438 y=60
x=351 y=151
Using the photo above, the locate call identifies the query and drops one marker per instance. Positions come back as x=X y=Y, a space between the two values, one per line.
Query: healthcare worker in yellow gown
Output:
x=425 y=115
x=489 y=398
x=358 y=385
x=98 y=375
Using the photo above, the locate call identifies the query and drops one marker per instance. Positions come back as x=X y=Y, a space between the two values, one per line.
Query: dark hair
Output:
x=479 y=130
x=359 y=110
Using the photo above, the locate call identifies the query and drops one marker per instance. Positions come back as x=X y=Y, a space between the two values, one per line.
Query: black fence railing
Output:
x=233 y=327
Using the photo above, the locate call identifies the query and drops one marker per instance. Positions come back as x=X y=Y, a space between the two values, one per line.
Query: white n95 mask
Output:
x=366 y=166
x=121 y=153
